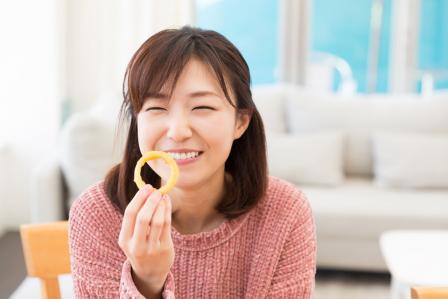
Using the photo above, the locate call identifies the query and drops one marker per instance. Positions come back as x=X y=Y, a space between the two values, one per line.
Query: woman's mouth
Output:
x=185 y=157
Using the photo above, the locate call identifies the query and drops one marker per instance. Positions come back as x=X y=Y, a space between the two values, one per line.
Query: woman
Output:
x=227 y=229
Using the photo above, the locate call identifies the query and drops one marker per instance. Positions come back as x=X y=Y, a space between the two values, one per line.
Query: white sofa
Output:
x=341 y=151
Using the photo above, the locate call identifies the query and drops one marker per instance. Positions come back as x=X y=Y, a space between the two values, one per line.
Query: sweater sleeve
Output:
x=98 y=265
x=294 y=276
x=127 y=285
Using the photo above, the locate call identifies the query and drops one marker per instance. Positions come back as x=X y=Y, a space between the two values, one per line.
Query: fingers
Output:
x=157 y=222
x=131 y=212
x=165 y=238
x=144 y=218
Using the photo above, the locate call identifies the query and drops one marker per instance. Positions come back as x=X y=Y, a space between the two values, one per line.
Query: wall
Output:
x=30 y=96
x=3 y=177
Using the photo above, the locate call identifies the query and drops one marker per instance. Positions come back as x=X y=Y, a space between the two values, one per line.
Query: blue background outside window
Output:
x=252 y=26
x=433 y=46
x=339 y=27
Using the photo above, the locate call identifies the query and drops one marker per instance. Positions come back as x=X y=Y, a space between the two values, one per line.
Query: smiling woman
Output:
x=178 y=71
x=226 y=229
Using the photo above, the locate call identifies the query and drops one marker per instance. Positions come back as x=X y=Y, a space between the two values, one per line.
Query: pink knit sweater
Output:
x=269 y=252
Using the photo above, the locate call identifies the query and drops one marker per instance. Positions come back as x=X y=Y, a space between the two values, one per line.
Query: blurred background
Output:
x=62 y=64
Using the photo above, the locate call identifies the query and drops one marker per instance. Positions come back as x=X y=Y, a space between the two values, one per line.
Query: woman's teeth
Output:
x=183 y=156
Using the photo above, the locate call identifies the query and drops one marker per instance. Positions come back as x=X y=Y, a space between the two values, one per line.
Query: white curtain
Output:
x=404 y=45
x=102 y=35
x=294 y=33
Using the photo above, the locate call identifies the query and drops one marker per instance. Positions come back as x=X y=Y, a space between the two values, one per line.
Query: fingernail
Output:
x=147 y=187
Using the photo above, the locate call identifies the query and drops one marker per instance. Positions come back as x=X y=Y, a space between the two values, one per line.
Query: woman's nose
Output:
x=179 y=128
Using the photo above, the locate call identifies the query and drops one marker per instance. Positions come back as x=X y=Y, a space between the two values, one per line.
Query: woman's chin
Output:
x=182 y=184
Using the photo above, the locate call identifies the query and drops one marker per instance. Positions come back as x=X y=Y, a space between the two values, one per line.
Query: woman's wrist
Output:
x=150 y=288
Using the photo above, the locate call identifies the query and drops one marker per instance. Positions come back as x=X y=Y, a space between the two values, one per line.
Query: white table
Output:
x=415 y=258
x=30 y=288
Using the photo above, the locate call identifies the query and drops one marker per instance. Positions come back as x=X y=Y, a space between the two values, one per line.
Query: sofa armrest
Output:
x=47 y=198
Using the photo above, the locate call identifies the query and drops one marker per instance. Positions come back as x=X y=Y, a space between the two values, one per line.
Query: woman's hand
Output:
x=145 y=238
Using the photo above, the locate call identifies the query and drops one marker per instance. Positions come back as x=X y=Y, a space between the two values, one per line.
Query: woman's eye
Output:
x=204 y=107
x=199 y=107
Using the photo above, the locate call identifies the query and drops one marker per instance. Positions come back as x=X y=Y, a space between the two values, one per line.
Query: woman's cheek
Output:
x=220 y=126
x=215 y=122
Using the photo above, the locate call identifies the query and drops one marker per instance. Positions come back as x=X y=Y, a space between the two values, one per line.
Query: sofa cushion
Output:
x=359 y=208
x=411 y=160
x=269 y=100
x=361 y=114
x=309 y=158
x=87 y=151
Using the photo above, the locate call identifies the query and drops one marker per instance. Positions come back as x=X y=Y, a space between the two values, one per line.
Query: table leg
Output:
x=399 y=290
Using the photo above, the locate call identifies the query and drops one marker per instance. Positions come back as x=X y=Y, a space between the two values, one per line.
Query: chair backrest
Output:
x=429 y=293
x=46 y=251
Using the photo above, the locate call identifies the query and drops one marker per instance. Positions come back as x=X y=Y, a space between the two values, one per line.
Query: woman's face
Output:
x=196 y=119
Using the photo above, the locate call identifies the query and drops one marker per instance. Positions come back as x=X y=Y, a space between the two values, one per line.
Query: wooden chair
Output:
x=429 y=293
x=45 y=247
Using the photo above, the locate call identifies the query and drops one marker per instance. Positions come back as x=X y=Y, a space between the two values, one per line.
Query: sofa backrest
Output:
x=90 y=145
x=87 y=150
x=359 y=116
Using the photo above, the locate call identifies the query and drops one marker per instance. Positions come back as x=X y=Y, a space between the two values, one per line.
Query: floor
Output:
x=12 y=265
x=329 y=283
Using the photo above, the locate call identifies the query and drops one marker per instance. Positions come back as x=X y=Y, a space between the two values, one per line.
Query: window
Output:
x=433 y=44
x=386 y=45
x=252 y=26
x=343 y=28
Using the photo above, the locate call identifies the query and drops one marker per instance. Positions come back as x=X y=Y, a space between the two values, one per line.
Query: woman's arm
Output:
x=99 y=267
x=128 y=285
x=294 y=276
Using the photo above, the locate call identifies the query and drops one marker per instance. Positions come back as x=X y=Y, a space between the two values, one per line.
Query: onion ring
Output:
x=152 y=155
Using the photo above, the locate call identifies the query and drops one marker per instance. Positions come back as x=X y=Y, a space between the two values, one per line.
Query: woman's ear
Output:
x=242 y=122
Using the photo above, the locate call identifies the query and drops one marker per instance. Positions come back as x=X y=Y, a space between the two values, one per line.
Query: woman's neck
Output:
x=194 y=209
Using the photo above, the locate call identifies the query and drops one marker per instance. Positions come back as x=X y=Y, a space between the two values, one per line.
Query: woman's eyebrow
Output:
x=155 y=95
x=196 y=94
x=202 y=93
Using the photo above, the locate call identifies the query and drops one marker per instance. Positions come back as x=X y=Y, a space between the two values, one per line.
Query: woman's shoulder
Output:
x=287 y=191
x=284 y=199
x=94 y=203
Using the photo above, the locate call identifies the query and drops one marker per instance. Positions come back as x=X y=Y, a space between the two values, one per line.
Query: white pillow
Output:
x=413 y=160
x=269 y=101
x=309 y=158
x=359 y=116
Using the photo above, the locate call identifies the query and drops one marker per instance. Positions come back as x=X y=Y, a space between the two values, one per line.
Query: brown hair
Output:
x=161 y=59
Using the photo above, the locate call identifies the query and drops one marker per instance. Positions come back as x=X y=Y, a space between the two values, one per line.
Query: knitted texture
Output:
x=269 y=252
